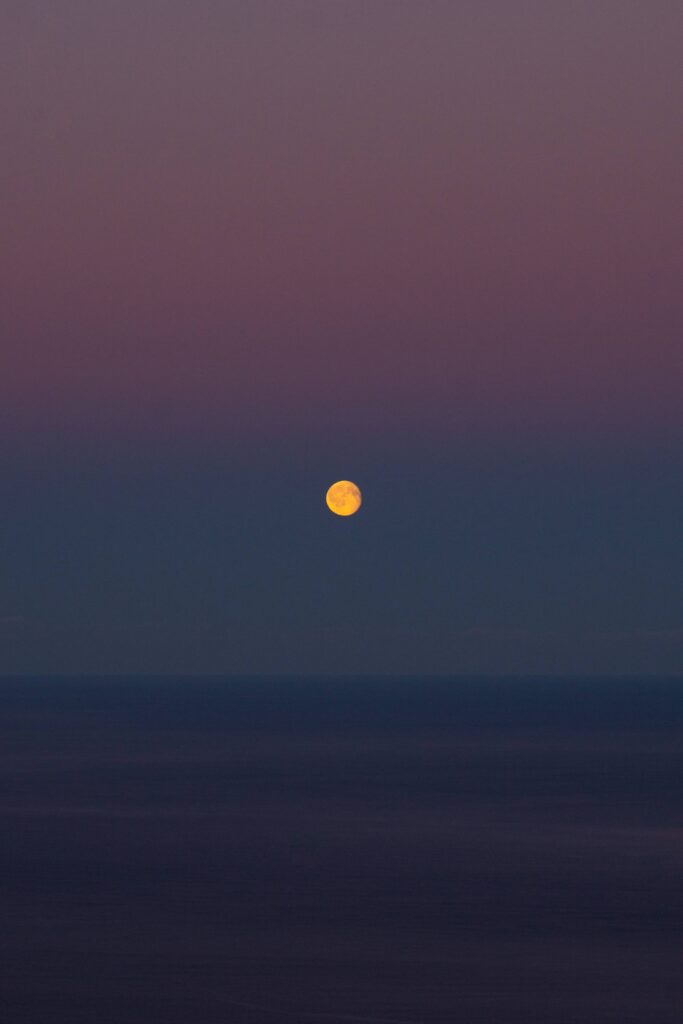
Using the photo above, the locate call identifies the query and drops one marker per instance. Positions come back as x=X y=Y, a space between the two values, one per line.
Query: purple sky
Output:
x=461 y=220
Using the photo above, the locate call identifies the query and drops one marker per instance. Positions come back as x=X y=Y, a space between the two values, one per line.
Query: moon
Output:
x=343 y=498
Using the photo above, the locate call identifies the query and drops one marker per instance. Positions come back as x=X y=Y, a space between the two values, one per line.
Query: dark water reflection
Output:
x=413 y=850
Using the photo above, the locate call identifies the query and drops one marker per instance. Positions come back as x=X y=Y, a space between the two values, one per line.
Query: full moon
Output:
x=343 y=498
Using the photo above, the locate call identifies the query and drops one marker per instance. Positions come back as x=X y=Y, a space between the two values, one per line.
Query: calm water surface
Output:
x=415 y=850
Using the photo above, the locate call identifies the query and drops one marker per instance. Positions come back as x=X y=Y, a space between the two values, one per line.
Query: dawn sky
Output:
x=250 y=248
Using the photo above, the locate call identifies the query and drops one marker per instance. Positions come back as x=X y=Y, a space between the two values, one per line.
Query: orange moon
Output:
x=343 y=498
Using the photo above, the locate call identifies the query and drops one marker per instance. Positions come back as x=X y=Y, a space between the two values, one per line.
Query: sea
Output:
x=396 y=850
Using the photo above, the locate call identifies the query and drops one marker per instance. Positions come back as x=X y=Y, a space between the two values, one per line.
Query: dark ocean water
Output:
x=256 y=851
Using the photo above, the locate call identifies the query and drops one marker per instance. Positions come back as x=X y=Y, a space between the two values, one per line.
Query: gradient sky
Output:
x=248 y=248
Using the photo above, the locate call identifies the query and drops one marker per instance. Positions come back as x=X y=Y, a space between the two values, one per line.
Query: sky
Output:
x=249 y=248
